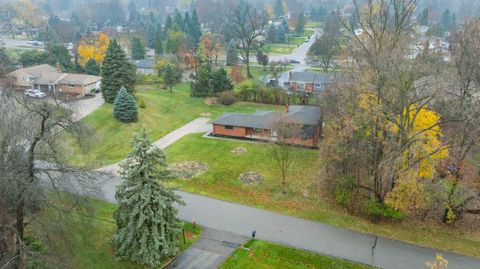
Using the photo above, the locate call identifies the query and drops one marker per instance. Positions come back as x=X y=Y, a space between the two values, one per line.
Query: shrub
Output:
x=226 y=98
x=141 y=103
x=377 y=210
x=344 y=191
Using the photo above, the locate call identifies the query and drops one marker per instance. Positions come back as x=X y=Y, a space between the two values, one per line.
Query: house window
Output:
x=25 y=78
x=318 y=85
x=71 y=86
x=229 y=127
x=301 y=86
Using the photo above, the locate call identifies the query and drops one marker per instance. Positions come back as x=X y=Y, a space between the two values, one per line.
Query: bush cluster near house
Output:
x=210 y=82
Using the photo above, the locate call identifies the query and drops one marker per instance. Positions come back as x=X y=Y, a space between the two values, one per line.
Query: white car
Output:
x=35 y=43
x=35 y=94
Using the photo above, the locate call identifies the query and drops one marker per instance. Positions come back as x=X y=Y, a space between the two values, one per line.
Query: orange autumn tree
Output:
x=92 y=47
x=236 y=74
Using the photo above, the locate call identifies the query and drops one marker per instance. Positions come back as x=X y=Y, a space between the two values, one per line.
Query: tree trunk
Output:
x=247 y=56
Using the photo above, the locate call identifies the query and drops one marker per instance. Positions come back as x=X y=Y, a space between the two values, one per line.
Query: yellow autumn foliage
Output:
x=92 y=47
x=409 y=194
x=425 y=131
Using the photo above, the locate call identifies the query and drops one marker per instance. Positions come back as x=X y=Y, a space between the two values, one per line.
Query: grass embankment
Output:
x=264 y=255
x=304 y=198
x=164 y=113
x=92 y=245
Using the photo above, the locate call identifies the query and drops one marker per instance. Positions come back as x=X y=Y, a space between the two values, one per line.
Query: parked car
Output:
x=35 y=93
x=294 y=61
x=34 y=43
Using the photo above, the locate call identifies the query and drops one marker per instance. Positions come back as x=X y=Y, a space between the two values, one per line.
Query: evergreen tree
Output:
x=179 y=22
x=147 y=226
x=150 y=34
x=195 y=28
x=59 y=55
x=286 y=28
x=116 y=72
x=168 y=25
x=92 y=67
x=278 y=8
x=170 y=76
x=281 y=36
x=187 y=23
x=446 y=21
x=220 y=82
x=158 y=44
x=272 y=34
x=125 y=106
x=232 y=54
x=137 y=48
x=200 y=87
x=423 y=19
x=453 y=23
x=300 y=26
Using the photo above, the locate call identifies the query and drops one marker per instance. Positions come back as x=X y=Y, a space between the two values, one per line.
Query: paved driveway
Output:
x=210 y=251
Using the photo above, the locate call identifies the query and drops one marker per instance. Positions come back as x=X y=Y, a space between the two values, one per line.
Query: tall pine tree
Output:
x=137 y=48
x=147 y=225
x=158 y=43
x=116 y=72
x=232 y=54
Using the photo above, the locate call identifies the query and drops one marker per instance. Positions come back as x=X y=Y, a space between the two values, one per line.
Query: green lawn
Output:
x=164 y=113
x=91 y=243
x=304 y=199
x=264 y=255
x=314 y=24
x=278 y=49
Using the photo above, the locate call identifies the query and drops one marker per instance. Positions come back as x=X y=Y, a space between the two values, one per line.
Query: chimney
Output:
x=59 y=70
x=286 y=108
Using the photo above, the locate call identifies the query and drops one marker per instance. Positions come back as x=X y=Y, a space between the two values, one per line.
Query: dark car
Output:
x=294 y=61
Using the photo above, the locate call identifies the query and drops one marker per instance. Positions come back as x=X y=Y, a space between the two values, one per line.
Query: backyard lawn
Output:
x=264 y=255
x=304 y=198
x=164 y=113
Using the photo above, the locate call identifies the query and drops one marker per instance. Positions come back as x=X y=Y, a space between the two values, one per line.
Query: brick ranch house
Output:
x=261 y=125
x=48 y=79
x=309 y=82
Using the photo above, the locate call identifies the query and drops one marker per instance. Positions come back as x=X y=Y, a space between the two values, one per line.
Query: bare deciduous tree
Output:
x=248 y=25
x=284 y=132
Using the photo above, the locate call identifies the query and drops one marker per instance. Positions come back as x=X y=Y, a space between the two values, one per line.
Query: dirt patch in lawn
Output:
x=250 y=178
x=187 y=169
x=239 y=151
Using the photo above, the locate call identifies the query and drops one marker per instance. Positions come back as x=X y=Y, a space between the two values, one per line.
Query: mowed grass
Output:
x=278 y=49
x=305 y=199
x=92 y=244
x=164 y=113
x=264 y=255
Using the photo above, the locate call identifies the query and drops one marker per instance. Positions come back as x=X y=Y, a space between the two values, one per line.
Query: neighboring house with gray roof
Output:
x=310 y=82
x=145 y=66
x=24 y=78
x=260 y=125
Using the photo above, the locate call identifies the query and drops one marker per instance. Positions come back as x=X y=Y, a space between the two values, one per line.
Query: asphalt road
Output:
x=313 y=236
x=300 y=53
x=15 y=43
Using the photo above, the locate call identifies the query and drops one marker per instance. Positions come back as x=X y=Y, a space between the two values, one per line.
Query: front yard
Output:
x=164 y=113
x=304 y=199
